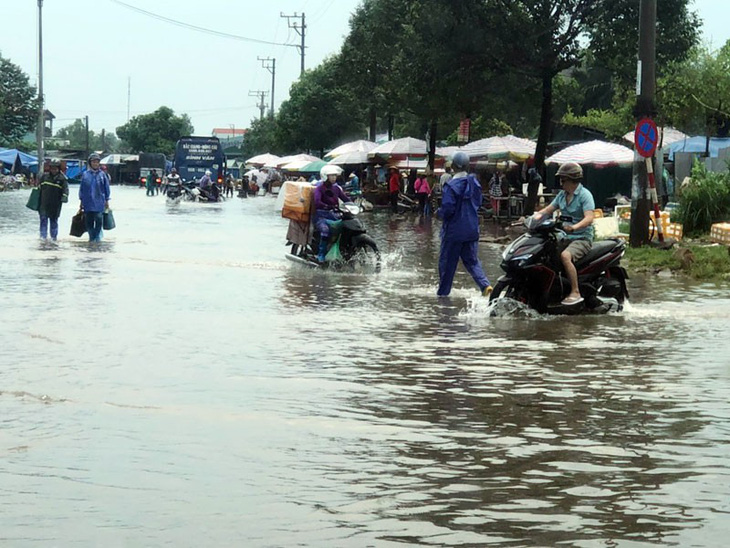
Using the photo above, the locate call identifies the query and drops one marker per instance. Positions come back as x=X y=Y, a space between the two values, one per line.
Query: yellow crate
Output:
x=670 y=230
x=720 y=233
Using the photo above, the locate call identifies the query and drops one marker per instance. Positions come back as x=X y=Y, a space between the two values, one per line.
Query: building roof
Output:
x=228 y=131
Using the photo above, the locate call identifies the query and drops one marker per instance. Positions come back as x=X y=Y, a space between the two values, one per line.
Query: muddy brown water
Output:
x=182 y=384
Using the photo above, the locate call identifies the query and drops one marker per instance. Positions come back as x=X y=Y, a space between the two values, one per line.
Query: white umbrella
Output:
x=670 y=135
x=350 y=158
x=262 y=159
x=446 y=152
x=596 y=153
x=355 y=146
x=407 y=146
x=501 y=147
x=295 y=158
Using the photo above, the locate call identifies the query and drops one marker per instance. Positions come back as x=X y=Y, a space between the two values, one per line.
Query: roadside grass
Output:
x=701 y=262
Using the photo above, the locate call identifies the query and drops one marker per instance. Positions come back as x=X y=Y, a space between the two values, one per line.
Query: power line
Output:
x=200 y=29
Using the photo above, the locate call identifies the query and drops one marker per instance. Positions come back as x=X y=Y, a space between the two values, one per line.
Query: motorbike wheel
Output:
x=365 y=257
x=500 y=288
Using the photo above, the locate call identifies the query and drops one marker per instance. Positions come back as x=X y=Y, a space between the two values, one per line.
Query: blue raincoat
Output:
x=461 y=200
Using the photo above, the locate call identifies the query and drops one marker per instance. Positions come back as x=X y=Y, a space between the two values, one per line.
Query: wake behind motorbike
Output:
x=534 y=274
x=349 y=246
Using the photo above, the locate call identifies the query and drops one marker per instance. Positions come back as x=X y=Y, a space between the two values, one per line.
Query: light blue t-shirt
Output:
x=582 y=201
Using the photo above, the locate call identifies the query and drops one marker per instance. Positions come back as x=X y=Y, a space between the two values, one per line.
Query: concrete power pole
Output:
x=41 y=130
x=645 y=107
x=88 y=150
x=262 y=100
x=270 y=64
x=301 y=29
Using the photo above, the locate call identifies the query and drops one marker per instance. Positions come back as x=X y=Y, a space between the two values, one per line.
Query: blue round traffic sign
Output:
x=646 y=137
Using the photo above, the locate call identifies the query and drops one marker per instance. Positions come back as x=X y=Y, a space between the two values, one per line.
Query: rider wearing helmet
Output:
x=326 y=199
x=462 y=198
x=94 y=194
x=574 y=201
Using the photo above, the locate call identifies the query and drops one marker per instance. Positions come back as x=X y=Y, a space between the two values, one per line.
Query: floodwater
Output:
x=180 y=383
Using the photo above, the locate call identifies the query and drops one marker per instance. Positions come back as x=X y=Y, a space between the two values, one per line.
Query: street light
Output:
x=41 y=122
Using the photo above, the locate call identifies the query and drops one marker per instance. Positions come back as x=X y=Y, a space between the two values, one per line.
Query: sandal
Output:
x=570 y=301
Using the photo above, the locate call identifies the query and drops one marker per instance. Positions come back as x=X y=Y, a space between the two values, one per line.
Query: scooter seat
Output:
x=599 y=248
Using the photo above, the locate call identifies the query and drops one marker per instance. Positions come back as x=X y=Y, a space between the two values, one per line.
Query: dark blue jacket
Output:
x=460 y=203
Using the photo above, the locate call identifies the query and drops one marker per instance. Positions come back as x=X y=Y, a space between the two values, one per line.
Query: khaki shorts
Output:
x=577 y=248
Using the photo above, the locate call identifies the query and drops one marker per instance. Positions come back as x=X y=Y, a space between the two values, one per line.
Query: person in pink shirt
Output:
x=423 y=191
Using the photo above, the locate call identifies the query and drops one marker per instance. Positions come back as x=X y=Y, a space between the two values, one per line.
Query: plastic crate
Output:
x=720 y=233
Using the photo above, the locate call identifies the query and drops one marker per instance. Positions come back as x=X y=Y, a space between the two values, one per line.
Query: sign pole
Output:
x=654 y=199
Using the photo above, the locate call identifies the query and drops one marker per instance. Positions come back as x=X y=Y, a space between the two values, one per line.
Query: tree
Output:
x=369 y=61
x=319 y=112
x=75 y=133
x=155 y=132
x=694 y=95
x=614 y=29
x=549 y=32
x=18 y=103
x=261 y=138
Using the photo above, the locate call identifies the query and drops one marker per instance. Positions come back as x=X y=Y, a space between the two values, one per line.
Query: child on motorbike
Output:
x=326 y=199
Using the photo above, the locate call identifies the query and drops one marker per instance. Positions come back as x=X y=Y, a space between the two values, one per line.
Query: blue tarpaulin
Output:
x=699 y=145
x=9 y=156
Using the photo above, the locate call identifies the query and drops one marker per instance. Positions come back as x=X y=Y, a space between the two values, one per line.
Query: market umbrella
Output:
x=350 y=158
x=299 y=159
x=355 y=146
x=499 y=148
x=596 y=153
x=670 y=135
x=407 y=146
x=262 y=159
x=313 y=167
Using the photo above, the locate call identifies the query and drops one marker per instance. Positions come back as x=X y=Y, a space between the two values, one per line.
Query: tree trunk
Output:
x=432 y=144
x=639 y=230
x=373 y=115
x=546 y=120
x=391 y=123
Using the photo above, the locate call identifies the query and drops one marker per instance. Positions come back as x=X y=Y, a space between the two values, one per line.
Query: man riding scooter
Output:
x=326 y=200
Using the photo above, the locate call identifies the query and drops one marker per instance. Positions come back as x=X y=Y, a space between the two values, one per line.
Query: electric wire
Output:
x=197 y=28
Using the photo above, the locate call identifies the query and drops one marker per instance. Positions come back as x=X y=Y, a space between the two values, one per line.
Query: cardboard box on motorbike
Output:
x=297 y=200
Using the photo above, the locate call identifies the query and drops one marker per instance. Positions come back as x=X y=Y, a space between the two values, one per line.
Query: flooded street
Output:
x=181 y=383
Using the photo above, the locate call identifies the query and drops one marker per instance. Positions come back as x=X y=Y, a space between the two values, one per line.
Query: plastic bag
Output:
x=34 y=200
x=78 y=224
x=108 y=220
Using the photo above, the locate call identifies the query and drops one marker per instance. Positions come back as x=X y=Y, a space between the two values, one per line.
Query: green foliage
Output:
x=614 y=123
x=261 y=139
x=481 y=128
x=18 y=103
x=75 y=133
x=614 y=28
x=694 y=95
x=705 y=201
x=709 y=263
x=155 y=132
x=319 y=111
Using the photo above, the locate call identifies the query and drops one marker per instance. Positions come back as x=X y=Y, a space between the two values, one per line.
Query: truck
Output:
x=195 y=155
x=149 y=161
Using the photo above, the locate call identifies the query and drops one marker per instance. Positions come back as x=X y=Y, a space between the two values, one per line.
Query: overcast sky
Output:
x=92 y=47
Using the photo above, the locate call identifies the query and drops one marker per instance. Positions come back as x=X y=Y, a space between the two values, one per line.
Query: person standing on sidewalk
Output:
x=462 y=198
x=94 y=193
x=53 y=193
x=394 y=188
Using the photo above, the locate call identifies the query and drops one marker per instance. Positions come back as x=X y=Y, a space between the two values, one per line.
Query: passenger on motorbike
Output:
x=326 y=199
x=574 y=201
x=172 y=179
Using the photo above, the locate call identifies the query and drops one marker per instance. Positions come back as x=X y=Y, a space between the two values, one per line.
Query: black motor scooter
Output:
x=357 y=250
x=534 y=274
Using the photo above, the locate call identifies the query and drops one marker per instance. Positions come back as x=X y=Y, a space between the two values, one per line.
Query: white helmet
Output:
x=208 y=172
x=329 y=169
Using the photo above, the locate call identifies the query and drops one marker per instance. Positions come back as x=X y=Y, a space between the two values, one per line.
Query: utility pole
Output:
x=270 y=64
x=301 y=29
x=41 y=130
x=129 y=94
x=88 y=150
x=262 y=100
x=645 y=107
